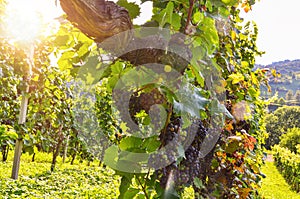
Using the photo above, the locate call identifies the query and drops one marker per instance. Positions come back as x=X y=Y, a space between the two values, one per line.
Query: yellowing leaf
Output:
x=226 y=1
x=236 y=78
x=244 y=64
x=254 y=79
x=233 y=35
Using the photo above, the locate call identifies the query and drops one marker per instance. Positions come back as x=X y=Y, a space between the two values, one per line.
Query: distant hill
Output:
x=289 y=79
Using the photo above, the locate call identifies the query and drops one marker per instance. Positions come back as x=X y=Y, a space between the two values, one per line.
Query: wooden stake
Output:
x=22 y=117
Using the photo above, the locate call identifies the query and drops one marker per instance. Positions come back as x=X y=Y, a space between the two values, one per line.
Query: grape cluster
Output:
x=170 y=140
x=144 y=101
x=191 y=166
x=165 y=161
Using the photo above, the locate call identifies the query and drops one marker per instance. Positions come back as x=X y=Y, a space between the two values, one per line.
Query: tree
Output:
x=297 y=96
x=7 y=139
x=290 y=139
x=281 y=101
x=289 y=95
x=280 y=121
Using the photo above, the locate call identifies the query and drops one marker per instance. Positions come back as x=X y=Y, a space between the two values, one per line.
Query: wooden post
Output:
x=22 y=117
x=19 y=141
x=17 y=158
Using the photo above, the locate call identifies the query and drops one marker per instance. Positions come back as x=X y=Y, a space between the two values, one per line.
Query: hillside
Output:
x=289 y=78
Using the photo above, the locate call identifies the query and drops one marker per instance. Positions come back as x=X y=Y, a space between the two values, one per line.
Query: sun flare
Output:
x=28 y=20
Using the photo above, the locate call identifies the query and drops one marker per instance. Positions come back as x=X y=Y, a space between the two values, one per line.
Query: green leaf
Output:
x=130 y=193
x=230 y=2
x=61 y=40
x=208 y=4
x=129 y=143
x=198 y=183
x=110 y=156
x=170 y=193
x=91 y=72
x=123 y=188
x=191 y=101
x=133 y=158
x=132 y=8
x=133 y=166
x=223 y=11
x=11 y=134
x=210 y=34
x=181 y=151
x=65 y=61
x=117 y=68
x=167 y=16
x=151 y=144
x=198 y=17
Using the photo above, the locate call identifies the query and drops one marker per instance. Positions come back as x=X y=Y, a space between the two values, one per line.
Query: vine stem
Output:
x=147 y=177
x=189 y=15
x=170 y=110
x=143 y=187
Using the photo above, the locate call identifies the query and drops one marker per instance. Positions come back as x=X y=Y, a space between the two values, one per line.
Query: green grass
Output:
x=274 y=186
x=68 y=181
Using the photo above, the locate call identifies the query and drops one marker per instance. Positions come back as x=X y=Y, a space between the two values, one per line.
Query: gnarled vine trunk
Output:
x=100 y=20
x=56 y=150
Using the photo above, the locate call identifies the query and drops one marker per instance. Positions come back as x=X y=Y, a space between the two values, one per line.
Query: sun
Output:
x=28 y=20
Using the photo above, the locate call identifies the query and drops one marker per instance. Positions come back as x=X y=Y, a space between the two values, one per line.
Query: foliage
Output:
x=7 y=134
x=290 y=139
x=297 y=96
x=278 y=122
x=289 y=165
x=10 y=82
x=221 y=44
x=7 y=139
x=274 y=185
x=68 y=181
x=289 y=95
x=49 y=115
x=281 y=101
x=241 y=163
x=242 y=139
x=298 y=148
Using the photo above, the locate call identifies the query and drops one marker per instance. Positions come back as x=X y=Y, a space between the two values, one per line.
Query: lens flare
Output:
x=28 y=20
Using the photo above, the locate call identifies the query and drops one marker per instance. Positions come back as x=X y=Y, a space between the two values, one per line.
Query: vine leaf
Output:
x=236 y=78
x=167 y=16
x=133 y=9
x=125 y=184
x=191 y=102
x=130 y=143
x=198 y=183
x=130 y=193
x=110 y=154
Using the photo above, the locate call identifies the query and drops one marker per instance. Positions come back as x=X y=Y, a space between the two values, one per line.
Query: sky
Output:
x=278 y=29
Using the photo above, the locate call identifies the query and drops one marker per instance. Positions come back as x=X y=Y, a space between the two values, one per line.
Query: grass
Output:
x=68 y=181
x=274 y=186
